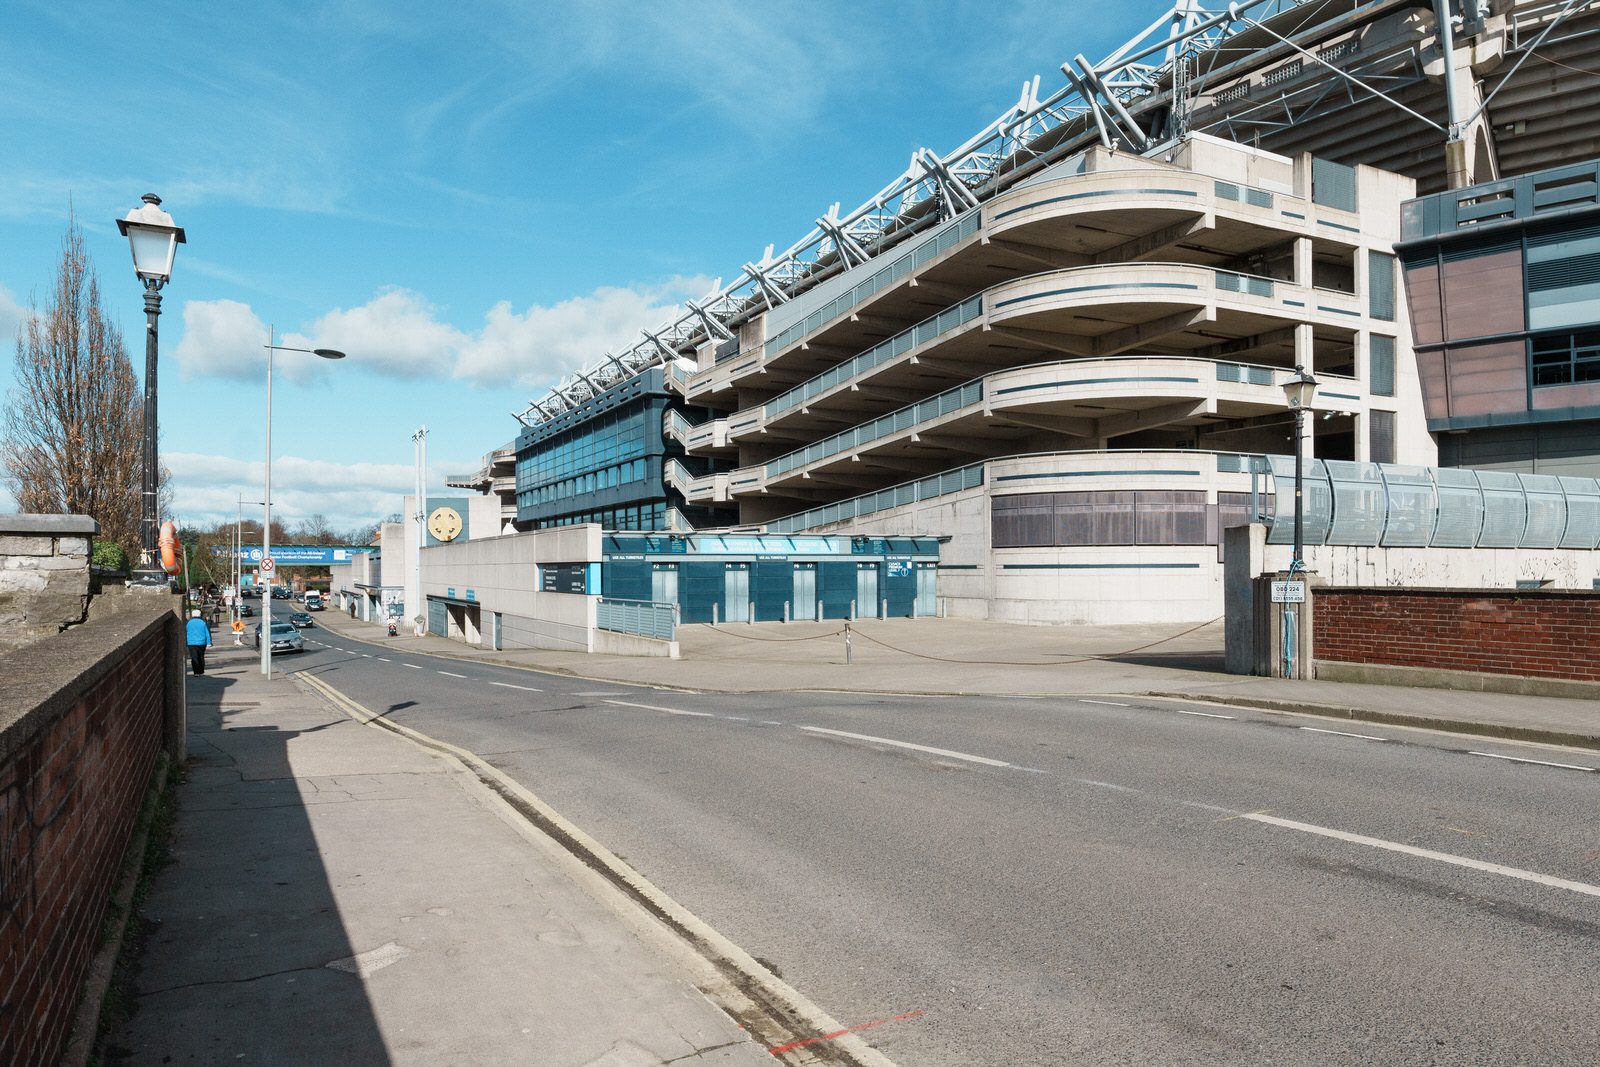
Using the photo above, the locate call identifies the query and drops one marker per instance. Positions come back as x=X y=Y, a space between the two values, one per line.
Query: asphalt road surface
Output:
x=1052 y=881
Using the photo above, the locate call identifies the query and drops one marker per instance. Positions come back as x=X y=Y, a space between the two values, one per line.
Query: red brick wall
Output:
x=70 y=793
x=1535 y=633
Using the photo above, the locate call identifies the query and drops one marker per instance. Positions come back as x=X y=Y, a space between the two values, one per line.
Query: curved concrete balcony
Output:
x=1102 y=217
x=1080 y=311
x=696 y=489
x=1092 y=399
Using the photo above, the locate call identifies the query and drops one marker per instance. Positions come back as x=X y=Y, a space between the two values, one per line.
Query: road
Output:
x=1046 y=881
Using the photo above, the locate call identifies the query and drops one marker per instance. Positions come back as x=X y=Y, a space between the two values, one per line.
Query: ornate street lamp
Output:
x=1299 y=390
x=266 y=507
x=155 y=242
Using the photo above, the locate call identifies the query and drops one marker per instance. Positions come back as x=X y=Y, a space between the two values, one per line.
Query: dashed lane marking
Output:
x=524 y=688
x=1343 y=733
x=1202 y=714
x=669 y=711
x=1108 y=703
x=985 y=760
x=1540 y=762
x=1429 y=854
x=447 y=674
x=413 y=666
x=385 y=659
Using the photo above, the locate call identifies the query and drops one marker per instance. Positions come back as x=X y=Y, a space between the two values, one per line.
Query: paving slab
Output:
x=339 y=895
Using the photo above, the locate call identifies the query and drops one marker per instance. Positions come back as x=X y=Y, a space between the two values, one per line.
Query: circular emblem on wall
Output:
x=445 y=524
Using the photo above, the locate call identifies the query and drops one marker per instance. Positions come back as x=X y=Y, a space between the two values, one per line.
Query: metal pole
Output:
x=150 y=476
x=266 y=530
x=1298 y=562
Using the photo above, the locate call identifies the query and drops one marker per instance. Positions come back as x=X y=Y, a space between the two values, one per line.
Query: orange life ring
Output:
x=169 y=548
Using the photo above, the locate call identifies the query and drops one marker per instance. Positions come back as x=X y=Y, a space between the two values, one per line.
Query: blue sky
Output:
x=469 y=199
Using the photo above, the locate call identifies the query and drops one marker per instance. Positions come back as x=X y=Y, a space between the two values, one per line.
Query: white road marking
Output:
x=735 y=718
x=352 y=651
x=1540 y=762
x=985 y=760
x=1429 y=854
x=1202 y=714
x=602 y=693
x=770 y=722
x=385 y=659
x=524 y=688
x=366 y=655
x=447 y=674
x=669 y=711
x=1344 y=733
x=413 y=666
x=1111 y=703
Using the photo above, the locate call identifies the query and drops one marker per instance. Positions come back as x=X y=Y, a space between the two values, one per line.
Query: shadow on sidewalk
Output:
x=1205 y=661
x=246 y=955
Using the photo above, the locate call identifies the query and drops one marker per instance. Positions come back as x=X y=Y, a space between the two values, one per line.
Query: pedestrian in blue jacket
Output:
x=198 y=635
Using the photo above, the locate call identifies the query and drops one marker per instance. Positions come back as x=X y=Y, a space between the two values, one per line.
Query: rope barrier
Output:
x=971 y=662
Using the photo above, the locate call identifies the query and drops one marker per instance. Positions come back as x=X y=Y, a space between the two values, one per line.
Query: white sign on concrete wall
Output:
x=1288 y=592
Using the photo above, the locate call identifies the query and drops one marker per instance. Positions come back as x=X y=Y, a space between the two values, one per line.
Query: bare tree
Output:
x=71 y=431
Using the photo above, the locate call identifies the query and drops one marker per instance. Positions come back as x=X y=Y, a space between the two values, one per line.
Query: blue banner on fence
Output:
x=303 y=555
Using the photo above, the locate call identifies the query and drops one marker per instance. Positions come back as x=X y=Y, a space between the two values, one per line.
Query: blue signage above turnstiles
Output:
x=303 y=555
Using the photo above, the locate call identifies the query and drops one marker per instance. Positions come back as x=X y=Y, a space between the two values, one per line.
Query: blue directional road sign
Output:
x=304 y=555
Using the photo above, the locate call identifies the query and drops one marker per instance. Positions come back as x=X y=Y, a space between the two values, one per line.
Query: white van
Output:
x=313 y=600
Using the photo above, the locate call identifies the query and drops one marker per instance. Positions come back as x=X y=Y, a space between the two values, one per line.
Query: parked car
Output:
x=301 y=621
x=285 y=638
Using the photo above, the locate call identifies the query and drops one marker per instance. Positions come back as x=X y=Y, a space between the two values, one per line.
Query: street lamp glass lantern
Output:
x=154 y=239
x=1300 y=389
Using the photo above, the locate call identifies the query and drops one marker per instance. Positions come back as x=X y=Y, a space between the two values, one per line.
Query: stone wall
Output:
x=84 y=718
x=44 y=575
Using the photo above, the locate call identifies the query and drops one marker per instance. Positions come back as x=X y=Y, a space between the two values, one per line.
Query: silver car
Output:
x=285 y=638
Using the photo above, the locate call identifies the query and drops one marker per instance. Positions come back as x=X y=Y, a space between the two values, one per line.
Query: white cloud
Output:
x=395 y=333
x=398 y=334
x=206 y=489
x=221 y=339
x=11 y=316
x=534 y=348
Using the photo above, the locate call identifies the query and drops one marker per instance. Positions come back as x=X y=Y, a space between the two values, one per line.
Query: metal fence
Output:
x=952 y=481
x=647 y=618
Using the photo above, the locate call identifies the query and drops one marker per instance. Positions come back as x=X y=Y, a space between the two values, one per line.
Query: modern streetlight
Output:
x=155 y=242
x=1299 y=390
x=266 y=514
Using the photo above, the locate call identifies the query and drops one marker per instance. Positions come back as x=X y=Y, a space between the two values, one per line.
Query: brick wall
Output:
x=83 y=718
x=1533 y=633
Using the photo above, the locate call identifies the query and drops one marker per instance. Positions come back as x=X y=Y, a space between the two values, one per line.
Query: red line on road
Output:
x=791 y=1046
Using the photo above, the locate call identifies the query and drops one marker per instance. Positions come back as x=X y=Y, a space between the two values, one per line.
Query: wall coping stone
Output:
x=54 y=525
x=1478 y=593
x=41 y=681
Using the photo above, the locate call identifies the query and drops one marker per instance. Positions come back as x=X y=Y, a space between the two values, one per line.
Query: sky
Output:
x=471 y=200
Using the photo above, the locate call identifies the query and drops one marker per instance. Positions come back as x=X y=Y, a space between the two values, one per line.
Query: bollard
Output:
x=852 y=616
x=785 y=611
x=847 y=658
x=818 y=616
x=714 y=607
x=750 y=611
x=883 y=608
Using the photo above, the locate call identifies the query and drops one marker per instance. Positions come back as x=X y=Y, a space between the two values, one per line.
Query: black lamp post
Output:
x=155 y=241
x=1299 y=390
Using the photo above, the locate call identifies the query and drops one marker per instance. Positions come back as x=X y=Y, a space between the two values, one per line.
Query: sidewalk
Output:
x=340 y=895
x=967 y=657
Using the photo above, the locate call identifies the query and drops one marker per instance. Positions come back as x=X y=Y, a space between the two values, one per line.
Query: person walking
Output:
x=198 y=635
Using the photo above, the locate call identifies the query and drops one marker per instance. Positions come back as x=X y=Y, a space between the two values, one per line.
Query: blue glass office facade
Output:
x=602 y=463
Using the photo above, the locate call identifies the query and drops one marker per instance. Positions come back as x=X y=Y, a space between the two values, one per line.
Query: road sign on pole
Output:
x=267 y=566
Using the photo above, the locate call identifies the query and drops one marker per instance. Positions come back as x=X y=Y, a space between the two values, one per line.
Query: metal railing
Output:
x=878 y=280
x=951 y=481
x=895 y=422
x=675 y=426
x=677 y=475
x=881 y=353
x=646 y=618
